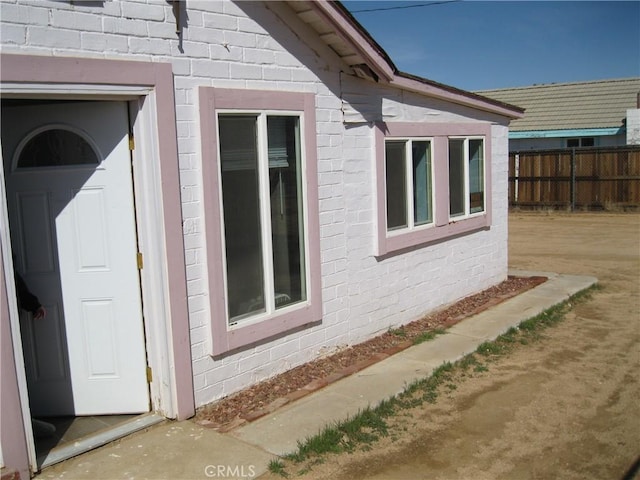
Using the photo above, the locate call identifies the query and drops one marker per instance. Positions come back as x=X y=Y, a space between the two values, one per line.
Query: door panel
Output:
x=100 y=334
x=73 y=230
x=90 y=229
x=34 y=225
x=46 y=338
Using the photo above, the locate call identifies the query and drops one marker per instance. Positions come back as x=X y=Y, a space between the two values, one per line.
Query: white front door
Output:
x=71 y=207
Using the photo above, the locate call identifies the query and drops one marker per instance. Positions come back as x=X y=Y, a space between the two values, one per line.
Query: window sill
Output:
x=393 y=244
x=462 y=218
x=244 y=334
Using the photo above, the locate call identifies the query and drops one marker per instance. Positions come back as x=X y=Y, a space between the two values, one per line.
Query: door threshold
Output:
x=85 y=444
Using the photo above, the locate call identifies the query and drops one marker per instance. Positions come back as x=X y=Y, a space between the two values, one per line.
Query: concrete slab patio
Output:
x=184 y=450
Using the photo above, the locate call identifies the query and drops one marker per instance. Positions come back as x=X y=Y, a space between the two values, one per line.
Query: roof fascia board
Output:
x=352 y=35
x=378 y=61
x=460 y=97
x=577 y=132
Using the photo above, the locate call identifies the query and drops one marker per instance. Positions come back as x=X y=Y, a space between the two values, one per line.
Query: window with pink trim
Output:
x=433 y=182
x=261 y=213
x=466 y=176
x=408 y=184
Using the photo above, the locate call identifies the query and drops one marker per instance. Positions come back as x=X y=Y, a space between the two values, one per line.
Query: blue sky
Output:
x=478 y=45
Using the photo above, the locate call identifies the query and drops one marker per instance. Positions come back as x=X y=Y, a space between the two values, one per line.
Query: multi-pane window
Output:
x=263 y=213
x=580 y=142
x=409 y=187
x=466 y=176
x=432 y=182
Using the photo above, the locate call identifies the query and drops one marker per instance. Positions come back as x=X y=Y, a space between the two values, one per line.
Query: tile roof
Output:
x=579 y=105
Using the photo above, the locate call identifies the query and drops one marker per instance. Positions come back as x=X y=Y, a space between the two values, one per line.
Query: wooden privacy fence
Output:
x=592 y=178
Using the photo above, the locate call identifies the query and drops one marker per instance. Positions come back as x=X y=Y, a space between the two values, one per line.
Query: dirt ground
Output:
x=564 y=407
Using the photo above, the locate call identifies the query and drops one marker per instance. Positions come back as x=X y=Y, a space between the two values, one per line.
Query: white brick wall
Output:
x=223 y=47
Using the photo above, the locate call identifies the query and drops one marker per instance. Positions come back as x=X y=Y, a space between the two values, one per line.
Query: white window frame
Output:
x=224 y=338
x=466 y=194
x=266 y=239
x=408 y=161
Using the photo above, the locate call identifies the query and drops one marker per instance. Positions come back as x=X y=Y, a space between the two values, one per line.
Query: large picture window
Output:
x=261 y=214
x=466 y=176
x=409 y=189
x=262 y=198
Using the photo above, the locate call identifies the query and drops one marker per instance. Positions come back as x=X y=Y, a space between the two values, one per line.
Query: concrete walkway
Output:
x=184 y=450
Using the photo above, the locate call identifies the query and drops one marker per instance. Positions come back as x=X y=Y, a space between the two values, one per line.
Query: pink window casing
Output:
x=225 y=339
x=442 y=227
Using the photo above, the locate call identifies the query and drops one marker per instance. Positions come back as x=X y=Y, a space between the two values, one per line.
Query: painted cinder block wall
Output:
x=264 y=46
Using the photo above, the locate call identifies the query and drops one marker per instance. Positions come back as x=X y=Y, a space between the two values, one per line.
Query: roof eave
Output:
x=348 y=28
x=461 y=97
x=352 y=32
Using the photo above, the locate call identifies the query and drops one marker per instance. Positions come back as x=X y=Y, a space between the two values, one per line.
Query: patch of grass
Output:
x=510 y=336
x=529 y=325
x=398 y=332
x=429 y=386
x=443 y=372
x=386 y=408
x=276 y=466
x=430 y=335
x=468 y=361
x=327 y=441
x=370 y=424
x=362 y=429
x=533 y=326
x=490 y=349
x=480 y=368
x=471 y=361
x=545 y=319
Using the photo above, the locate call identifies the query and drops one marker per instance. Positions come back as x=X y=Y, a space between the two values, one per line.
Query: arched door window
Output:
x=54 y=147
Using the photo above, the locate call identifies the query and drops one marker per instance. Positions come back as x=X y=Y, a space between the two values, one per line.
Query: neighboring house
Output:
x=206 y=194
x=602 y=113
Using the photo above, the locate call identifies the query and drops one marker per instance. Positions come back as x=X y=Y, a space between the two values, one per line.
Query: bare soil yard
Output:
x=565 y=406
